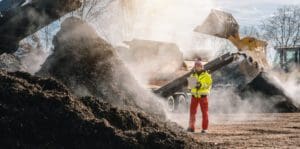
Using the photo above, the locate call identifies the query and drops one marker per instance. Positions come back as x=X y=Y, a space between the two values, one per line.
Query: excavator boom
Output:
x=222 y=24
x=20 y=18
x=177 y=84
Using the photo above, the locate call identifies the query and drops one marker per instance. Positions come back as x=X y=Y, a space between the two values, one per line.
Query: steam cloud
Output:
x=290 y=82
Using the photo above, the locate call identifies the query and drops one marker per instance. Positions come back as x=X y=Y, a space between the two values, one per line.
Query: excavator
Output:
x=245 y=68
x=223 y=25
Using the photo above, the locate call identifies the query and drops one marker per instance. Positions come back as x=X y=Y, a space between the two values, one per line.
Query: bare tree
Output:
x=283 y=28
x=90 y=9
x=251 y=31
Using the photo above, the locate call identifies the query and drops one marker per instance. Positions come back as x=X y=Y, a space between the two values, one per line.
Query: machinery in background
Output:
x=244 y=69
x=287 y=57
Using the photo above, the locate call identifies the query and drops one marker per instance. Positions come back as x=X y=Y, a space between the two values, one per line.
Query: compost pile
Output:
x=42 y=113
x=84 y=102
x=272 y=97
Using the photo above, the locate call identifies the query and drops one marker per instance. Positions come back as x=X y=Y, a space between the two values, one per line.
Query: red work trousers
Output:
x=203 y=101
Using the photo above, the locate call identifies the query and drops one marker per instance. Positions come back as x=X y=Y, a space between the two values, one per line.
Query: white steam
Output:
x=151 y=60
x=290 y=82
x=34 y=49
x=227 y=100
x=167 y=21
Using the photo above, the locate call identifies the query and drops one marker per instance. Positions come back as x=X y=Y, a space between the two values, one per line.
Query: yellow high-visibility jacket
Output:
x=205 y=80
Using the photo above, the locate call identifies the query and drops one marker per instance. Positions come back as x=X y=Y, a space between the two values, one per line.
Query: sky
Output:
x=164 y=20
x=252 y=12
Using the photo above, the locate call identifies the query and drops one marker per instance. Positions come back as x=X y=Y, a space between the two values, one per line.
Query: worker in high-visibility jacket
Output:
x=200 y=96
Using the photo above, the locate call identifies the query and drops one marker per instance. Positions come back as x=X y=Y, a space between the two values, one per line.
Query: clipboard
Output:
x=192 y=82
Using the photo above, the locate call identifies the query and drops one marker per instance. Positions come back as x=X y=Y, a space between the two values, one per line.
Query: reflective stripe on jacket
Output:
x=206 y=82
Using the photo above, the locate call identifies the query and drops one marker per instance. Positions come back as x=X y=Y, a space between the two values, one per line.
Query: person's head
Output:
x=198 y=66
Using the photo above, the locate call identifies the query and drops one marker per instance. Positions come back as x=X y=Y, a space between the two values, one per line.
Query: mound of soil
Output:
x=262 y=87
x=40 y=112
x=264 y=83
x=88 y=65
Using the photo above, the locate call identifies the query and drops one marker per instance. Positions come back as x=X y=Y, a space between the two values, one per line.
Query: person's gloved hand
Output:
x=198 y=85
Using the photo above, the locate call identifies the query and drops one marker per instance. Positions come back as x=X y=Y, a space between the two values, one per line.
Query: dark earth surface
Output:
x=42 y=113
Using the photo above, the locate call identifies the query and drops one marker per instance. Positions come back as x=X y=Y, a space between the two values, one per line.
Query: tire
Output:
x=181 y=105
x=171 y=104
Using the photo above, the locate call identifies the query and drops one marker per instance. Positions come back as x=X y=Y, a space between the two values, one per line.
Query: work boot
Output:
x=204 y=131
x=190 y=130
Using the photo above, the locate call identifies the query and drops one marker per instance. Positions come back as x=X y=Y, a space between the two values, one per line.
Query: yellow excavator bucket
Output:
x=220 y=24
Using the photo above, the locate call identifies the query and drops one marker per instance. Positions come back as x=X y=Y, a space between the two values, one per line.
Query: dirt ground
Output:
x=280 y=130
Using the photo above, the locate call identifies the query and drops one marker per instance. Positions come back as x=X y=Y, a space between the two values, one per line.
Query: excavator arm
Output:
x=177 y=84
x=223 y=25
x=245 y=68
x=21 y=18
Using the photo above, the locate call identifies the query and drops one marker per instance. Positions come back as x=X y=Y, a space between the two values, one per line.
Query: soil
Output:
x=268 y=130
x=263 y=85
x=40 y=112
x=247 y=130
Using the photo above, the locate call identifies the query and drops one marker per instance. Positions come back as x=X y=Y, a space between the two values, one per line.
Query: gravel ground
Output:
x=266 y=130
